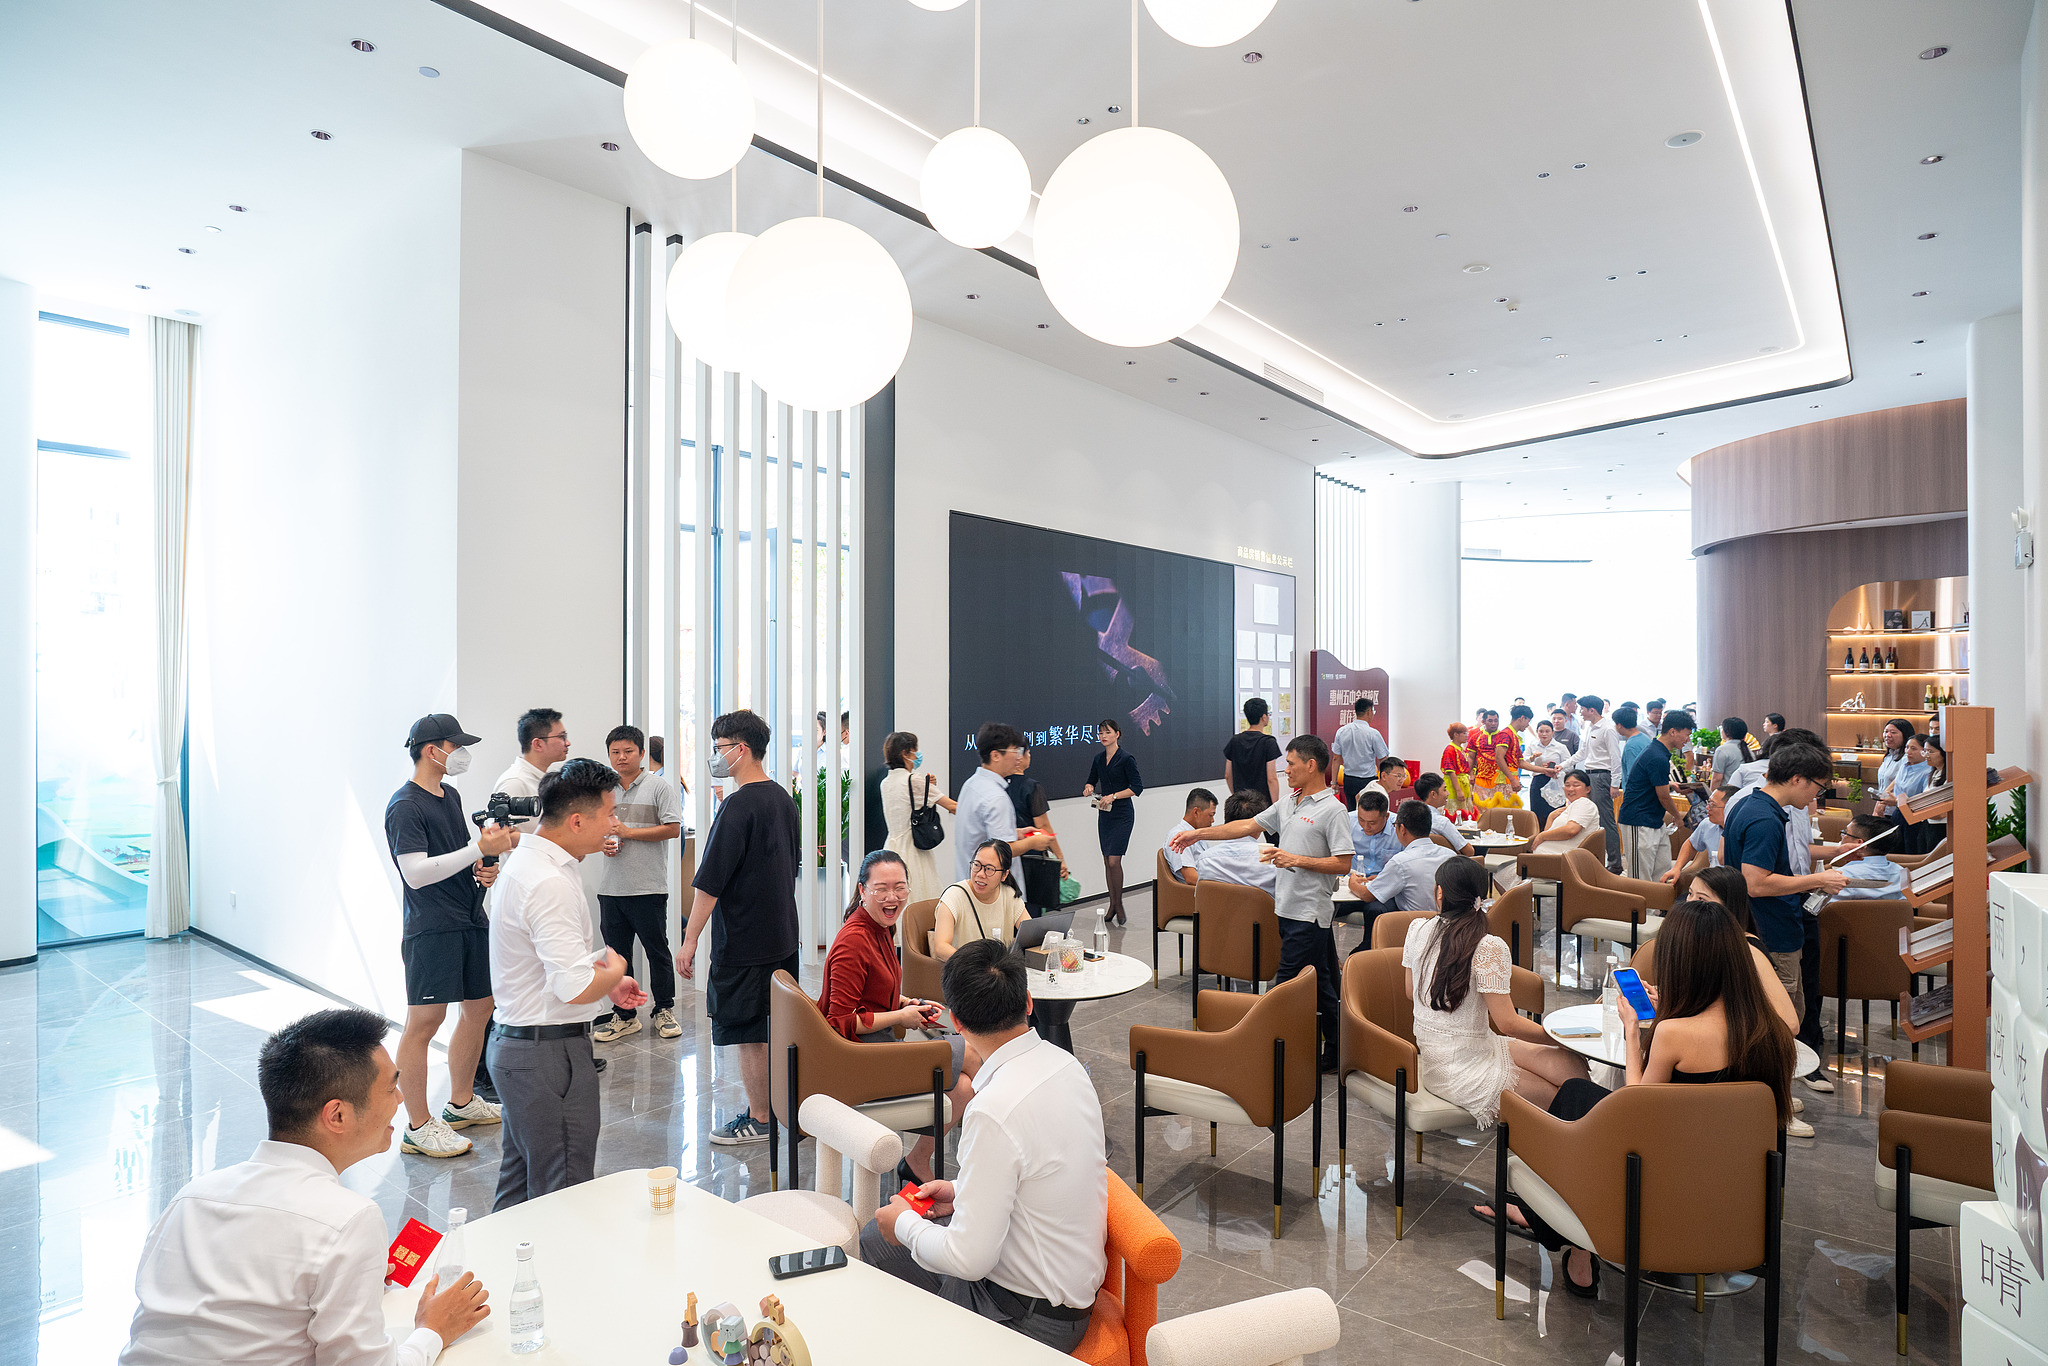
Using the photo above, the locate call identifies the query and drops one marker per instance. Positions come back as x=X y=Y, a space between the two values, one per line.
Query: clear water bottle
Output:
x=1610 y=997
x=451 y=1258
x=1101 y=931
x=528 y=1316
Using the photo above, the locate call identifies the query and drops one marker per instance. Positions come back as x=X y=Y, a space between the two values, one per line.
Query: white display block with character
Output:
x=2001 y=1279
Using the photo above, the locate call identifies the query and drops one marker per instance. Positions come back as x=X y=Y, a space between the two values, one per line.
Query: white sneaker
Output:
x=434 y=1139
x=1819 y=1080
x=1798 y=1106
x=617 y=1027
x=1798 y=1128
x=477 y=1111
x=665 y=1025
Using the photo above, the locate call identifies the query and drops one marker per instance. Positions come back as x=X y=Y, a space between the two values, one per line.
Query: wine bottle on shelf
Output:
x=1891 y=660
x=1863 y=661
x=1849 y=661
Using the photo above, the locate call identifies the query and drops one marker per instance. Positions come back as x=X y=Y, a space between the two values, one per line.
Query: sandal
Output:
x=1584 y=1292
x=1514 y=1229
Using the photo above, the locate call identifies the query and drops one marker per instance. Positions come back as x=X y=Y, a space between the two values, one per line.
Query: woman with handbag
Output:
x=911 y=801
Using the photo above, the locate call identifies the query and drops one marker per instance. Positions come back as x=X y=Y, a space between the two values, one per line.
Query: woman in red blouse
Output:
x=862 y=991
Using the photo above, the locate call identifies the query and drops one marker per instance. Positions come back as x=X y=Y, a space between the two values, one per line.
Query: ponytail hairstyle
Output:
x=861 y=879
x=1736 y=729
x=1461 y=924
x=1701 y=959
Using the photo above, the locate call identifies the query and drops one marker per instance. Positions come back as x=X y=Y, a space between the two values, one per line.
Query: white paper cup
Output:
x=661 y=1189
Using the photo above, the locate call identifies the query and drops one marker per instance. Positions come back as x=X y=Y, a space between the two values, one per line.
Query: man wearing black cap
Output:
x=447 y=940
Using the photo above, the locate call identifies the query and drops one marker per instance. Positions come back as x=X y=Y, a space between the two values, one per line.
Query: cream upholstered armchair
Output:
x=1273 y=1330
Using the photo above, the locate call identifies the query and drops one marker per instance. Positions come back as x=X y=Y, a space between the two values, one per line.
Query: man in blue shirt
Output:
x=1755 y=843
x=1628 y=731
x=1873 y=866
x=986 y=811
x=1646 y=801
x=1373 y=841
x=1360 y=747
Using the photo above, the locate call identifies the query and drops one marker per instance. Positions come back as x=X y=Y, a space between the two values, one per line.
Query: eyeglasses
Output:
x=981 y=867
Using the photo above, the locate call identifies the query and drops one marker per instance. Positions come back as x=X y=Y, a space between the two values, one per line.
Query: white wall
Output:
x=1411 y=617
x=1997 y=587
x=540 y=465
x=324 y=585
x=17 y=621
x=981 y=430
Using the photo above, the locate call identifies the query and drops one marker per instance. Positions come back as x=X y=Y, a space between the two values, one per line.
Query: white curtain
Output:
x=173 y=359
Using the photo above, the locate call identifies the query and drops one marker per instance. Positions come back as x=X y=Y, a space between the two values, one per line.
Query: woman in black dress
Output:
x=1112 y=781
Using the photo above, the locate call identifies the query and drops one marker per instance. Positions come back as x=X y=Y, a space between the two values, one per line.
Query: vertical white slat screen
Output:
x=700 y=616
x=835 y=606
x=1343 y=593
x=807 y=573
x=640 y=476
x=862 y=748
x=669 y=635
x=783 y=589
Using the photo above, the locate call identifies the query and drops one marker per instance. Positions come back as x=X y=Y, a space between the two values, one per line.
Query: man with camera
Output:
x=446 y=942
x=552 y=982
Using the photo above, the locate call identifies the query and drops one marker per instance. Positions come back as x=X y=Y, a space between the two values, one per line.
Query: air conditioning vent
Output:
x=1279 y=376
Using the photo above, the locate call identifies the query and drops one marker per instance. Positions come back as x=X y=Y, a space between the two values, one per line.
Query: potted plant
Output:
x=796 y=792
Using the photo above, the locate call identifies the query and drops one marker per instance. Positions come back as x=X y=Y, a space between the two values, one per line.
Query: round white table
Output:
x=1113 y=975
x=1606 y=1045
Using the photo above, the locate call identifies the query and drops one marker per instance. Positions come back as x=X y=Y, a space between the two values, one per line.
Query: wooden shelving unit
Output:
x=1926 y=962
x=1938 y=656
x=1933 y=1028
x=2008 y=780
x=2006 y=853
x=1969 y=735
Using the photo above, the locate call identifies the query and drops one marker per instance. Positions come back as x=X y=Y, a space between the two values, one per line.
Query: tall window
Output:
x=95 y=628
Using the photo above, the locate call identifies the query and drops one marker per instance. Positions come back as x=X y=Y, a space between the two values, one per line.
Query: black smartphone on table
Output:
x=791 y=1264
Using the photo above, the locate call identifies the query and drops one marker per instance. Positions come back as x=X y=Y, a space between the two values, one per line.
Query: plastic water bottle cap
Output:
x=524 y=1252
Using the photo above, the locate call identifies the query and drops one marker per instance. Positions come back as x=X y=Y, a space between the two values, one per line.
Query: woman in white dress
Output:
x=905 y=790
x=1458 y=979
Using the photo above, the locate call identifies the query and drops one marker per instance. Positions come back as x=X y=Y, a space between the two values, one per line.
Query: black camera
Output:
x=503 y=809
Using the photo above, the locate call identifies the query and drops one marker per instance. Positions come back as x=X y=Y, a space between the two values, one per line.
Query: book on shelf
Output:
x=1932 y=873
x=1927 y=939
x=1930 y=1006
x=1933 y=796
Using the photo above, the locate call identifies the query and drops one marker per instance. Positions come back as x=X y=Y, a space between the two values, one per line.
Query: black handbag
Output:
x=925 y=830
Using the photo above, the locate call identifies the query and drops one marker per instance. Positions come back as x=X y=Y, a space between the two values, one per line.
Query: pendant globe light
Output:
x=936 y=6
x=976 y=187
x=1137 y=232
x=697 y=281
x=1208 y=23
x=817 y=309
x=688 y=108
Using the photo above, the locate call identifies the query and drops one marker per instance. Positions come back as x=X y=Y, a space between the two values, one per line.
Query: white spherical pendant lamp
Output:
x=820 y=312
x=1208 y=23
x=976 y=187
x=1136 y=236
x=937 y=5
x=689 y=109
x=696 y=298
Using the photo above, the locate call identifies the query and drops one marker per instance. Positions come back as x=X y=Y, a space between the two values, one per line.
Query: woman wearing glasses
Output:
x=985 y=906
x=1112 y=782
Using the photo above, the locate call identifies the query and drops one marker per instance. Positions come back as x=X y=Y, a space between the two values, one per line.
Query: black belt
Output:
x=1029 y=1306
x=561 y=1031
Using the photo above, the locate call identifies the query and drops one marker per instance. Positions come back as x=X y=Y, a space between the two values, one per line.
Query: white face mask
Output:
x=719 y=767
x=456 y=761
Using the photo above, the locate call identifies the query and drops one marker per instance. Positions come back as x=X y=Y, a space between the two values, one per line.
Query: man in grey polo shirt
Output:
x=1314 y=832
x=632 y=882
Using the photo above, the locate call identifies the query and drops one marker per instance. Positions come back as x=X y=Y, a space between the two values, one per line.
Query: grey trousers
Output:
x=1059 y=1334
x=549 y=1090
x=1603 y=802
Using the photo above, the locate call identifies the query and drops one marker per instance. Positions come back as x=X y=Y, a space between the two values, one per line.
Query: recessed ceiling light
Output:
x=1766 y=350
x=429 y=72
x=1543 y=175
x=1205 y=394
x=1254 y=58
x=211 y=228
x=1262 y=419
x=1173 y=379
x=1929 y=236
x=1916 y=373
x=1929 y=161
x=1477 y=268
x=186 y=251
x=142 y=286
x=1560 y=355
x=1472 y=372
x=1919 y=293
x=237 y=208
x=1614 y=277
x=1931 y=53
x=1642 y=272
x=188 y=312
x=1082 y=120
x=1502 y=299
x=1543 y=339
x=1294 y=239
x=1400 y=320
x=323 y=135
x=1043 y=326
x=1920 y=341
x=1130 y=362
x=974 y=296
x=1443 y=237
x=1116 y=109
x=362 y=46
x=1265 y=246
x=1685 y=139
x=1578 y=165
x=1813 y=405
x=1379 y=324
x=609 y=146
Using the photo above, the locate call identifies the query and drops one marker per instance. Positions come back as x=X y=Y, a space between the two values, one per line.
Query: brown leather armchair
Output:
x=1596 y=904
x=1859 y=961
x=1513 y=917
x=1390 y=928
x=1540 y=866
x=1237 y=935
x=1833 y=821
x=1624 y=1182
x=1933 y=1154
x=923 y=975
x=901 y=1086
x=1509 y=820
x=1173 y=911
x=1249 y=1060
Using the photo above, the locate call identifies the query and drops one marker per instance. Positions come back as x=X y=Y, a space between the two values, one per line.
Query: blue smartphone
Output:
x=1631 y=984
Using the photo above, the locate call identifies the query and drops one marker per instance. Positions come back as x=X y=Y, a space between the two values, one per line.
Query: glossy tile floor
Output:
x=127 y=1067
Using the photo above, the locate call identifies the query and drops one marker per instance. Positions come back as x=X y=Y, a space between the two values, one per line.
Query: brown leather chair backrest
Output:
x=1833 y=821
x=1585 y=895
x=1381 y=987
x=1512 y=910
x=1656 y=896
x=1377 y=1029
x=1644 y=961
x=1436 y=836
x=1496 y=818
x=1596 y=845
x=1678 y=839
x=1944 y=1115
x=1876 y=972
x=828 y=1065
x=1692 y=1139
x=922 y=973
x=1172 y=898
x=1228 y=911
x=1923 y=1088
x=1240 y=1064
x=1390 y=928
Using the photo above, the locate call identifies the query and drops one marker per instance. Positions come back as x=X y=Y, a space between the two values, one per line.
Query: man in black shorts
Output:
x=447 y=940
x=746 y=873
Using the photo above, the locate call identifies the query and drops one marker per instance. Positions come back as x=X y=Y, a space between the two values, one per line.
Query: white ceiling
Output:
x=1358 y=108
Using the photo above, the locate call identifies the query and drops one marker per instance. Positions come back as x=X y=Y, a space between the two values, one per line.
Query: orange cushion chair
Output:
x=1142 y=1257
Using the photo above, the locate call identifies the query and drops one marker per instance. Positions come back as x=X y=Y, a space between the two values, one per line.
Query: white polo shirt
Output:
x=542 y=955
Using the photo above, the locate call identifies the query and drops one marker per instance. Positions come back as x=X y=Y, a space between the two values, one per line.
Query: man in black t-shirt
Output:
x=1253 y=751
x=746 y=874
x=446 y=940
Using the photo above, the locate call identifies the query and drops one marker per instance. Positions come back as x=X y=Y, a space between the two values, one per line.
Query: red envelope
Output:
x=410 y=1250
x=917 y=1202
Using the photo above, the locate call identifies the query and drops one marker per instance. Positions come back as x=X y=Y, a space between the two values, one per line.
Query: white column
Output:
x=2032 y=738
x=809 y=926
x=668 y=641
x=17 y=622
x=1413 y=540
x=782 y=580
x=639 y=478
x=1998 y=662
x=834 y=698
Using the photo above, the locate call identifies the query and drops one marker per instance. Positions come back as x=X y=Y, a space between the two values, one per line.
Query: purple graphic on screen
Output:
x=1134 y=671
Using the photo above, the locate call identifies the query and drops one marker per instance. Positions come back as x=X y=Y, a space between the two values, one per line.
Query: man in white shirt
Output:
x=273 y=1262
x=1235 y=860
x=543 y=744
x=985 y=811
x=552 y=981
x=1018 y=1235
x=1600 y=759
x=1361 y=748
x=1408 y=882
x=1200 y=815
